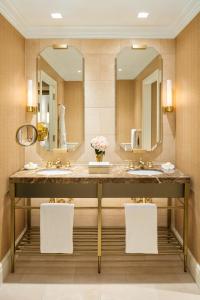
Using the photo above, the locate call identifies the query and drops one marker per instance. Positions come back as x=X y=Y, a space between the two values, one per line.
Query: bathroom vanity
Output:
x=76 y=182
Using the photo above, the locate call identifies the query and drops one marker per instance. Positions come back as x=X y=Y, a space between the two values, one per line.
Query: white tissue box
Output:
x=99 y=167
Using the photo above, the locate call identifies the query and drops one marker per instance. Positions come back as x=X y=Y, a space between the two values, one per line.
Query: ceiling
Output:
x=132 y=62
x=99 y=18
x=66 y=62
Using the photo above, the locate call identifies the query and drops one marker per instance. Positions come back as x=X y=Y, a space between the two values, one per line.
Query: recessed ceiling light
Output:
x=56 y=16
x=79 y=71
x=120 y=70
x=143 y=15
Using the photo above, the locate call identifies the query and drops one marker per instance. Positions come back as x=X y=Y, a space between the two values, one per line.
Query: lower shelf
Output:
x=86 y=240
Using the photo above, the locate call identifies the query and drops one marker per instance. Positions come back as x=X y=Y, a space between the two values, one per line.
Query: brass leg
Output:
x=99 y=191
x=185 y=225
x=169 y=213
x=12 y=227
x=99 y=264
x=28 y=213
x=169 y=217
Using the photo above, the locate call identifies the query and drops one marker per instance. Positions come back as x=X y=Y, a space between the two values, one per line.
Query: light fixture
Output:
x=139 y=47
x=56 y=16
x=143 y=15
x=60 y=46
x=79 y=71
x=30 y=107
x=119 y=70
x=169 y=96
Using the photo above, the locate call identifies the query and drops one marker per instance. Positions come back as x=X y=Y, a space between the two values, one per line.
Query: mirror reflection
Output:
x=61 y=97
x=138 y=99
x=26 y=135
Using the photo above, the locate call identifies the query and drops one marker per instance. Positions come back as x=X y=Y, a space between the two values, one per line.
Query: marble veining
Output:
x=80 y=174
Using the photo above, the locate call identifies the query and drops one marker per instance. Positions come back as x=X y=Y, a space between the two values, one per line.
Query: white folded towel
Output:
x=141 y=228
x=133 y=138
x=168 y=166
x=56 y=227
x=62 y=127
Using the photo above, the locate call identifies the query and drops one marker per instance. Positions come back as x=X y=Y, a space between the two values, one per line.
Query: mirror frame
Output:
x=61 y=47
x=127 y=146
x=36 y=135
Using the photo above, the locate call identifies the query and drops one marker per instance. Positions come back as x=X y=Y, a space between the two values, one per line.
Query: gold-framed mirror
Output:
x=60 y=73
x=26 y=135
x=138 y=85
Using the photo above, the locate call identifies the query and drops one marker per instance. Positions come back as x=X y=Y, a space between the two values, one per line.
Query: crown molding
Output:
x=98 y=32
x=108 y=32
x=187 y=15
x=13 y=17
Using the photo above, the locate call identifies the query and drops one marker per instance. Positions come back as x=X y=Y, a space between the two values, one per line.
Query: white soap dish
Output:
x=30 y=166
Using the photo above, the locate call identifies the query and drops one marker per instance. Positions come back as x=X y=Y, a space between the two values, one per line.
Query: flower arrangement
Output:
x=99 y=144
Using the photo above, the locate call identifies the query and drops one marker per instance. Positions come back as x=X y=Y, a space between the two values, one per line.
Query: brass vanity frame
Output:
x=99 y=189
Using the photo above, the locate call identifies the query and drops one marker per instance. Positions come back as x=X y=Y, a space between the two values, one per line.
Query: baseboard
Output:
x=5 y=266
x=193 y=265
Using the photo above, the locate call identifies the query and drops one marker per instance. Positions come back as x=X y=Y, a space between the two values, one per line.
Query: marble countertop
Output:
x=80 y=174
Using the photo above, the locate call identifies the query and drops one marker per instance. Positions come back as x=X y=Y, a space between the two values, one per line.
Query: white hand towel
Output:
x=141 y=228
x=62 y=127
x=168 y=166
x=56 y=227
x=133 y=138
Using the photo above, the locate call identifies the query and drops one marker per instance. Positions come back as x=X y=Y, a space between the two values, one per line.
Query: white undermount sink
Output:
x=49 y=172
x=144 y=172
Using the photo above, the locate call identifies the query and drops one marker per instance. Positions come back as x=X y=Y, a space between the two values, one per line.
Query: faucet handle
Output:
x=68 y=164
x=49 y=164
x=58 y=163
x=131 y=164
x=149 y=164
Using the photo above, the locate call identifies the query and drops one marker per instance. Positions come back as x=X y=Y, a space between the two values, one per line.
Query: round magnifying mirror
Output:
x=26 y=135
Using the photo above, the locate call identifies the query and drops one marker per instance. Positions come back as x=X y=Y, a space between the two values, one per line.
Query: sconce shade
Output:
x=169 y=96
x=30 y=107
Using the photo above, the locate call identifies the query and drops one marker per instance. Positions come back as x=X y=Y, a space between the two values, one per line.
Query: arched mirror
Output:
x=26 y=135
x=138 y=99
x=61 y=97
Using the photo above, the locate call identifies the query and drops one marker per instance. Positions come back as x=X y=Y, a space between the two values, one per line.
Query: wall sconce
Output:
x=169 y=97
x=30 y=107
x=139 y=46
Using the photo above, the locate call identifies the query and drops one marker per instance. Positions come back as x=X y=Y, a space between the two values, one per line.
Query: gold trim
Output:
x=139 y=47
x=99 y=196
x=32 y=109
x=60 y=46
x=185 y=225
x=169 y=108
x=33 y=141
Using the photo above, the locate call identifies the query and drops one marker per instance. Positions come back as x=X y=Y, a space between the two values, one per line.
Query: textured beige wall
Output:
x=188 y=122
x=74 y=118
x=100 y=110
x=12 y=115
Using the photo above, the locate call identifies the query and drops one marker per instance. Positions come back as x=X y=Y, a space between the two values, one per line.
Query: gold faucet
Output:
x=58 y=164
x=51 y=164
x=141 y=164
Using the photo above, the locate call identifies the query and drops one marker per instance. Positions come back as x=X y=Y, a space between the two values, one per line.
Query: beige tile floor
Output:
x=121 y=279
